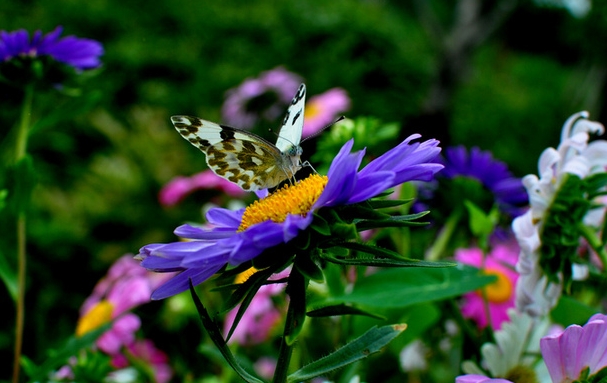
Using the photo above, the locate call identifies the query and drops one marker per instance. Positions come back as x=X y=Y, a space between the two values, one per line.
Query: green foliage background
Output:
x=102 y=157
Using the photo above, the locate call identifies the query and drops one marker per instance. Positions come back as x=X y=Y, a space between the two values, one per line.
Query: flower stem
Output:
x=20 y=152
x=296 y=289
x=438 y=248
x=595 y=243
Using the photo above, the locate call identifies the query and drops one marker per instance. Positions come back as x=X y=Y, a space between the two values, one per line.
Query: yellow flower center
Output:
x=499 y=291
x=242 y=277
x=96 y=317
x=295 y=199
x=313 y=109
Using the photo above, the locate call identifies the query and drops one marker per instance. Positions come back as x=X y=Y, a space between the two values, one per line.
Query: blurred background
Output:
x=502 y=75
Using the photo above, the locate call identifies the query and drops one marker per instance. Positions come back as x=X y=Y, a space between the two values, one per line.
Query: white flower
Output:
x=536 y=295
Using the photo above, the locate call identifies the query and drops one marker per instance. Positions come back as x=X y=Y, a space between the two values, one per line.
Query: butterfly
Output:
x=244 y=158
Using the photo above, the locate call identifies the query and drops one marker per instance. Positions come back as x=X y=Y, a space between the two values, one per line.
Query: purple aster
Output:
x=76 y=52
x=577 y=351
x=264 y=97
x=230 y=237
x=493 y=174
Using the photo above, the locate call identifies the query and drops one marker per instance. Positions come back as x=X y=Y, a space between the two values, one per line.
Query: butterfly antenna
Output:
x=325 y=128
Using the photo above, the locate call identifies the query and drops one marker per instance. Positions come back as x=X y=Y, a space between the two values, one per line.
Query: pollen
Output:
x=499 y=291
x=295 y=199
x=96 y=317
x=312 y=110
x=242 y=277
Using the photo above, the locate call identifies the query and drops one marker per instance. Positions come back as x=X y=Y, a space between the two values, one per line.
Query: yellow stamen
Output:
x=96 y=317
x=500 y=290
x=312 y=110
x=296 y=199
x=242 y=277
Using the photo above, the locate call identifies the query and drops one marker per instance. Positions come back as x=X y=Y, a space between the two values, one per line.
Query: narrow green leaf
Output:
x=60 y=357
x=386 y=262
x=370 y=342
x=385 y=203
x=296 y=314
x=402 y=287
x=320 y=225
x=308 y=267
x=8 y=274
x=215 y=335
x=341 y=309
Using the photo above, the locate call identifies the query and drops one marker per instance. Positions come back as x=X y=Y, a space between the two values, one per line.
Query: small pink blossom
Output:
x=179 y=187
x=478 y=379
x=146 y=351
x=501 y=262
x=321 y=110
x=577 y=348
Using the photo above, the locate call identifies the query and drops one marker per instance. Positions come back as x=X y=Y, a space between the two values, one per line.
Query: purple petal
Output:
x=180 y=282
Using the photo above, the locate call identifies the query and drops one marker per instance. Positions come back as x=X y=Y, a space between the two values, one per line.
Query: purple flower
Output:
x=264 y=98
x=478 y=379
x=494 y=175
x=234 y=237
x=576 y=351
x=76 y=52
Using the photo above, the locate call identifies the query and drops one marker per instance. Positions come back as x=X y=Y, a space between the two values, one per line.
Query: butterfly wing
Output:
x=290 y=132
x=236 y=155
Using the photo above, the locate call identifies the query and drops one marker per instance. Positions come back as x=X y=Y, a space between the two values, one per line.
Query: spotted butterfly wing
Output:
x=244 y=158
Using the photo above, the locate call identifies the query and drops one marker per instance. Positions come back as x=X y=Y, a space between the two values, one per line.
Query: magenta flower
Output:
x=321 y=110
x=478 y=379
x=233 y=240
x=126 y=286
x=144 y=351
x=262 y=98
x=73 y=51
x=500 y=262
x=578 y=352
x=179 y=187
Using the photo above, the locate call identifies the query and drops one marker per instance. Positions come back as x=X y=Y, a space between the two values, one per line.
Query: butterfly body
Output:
x=244 y=158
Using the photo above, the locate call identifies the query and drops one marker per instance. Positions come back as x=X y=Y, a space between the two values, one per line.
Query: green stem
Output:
x=20 y=152
x=439 y=246
x=593 y=240
x=293 y=323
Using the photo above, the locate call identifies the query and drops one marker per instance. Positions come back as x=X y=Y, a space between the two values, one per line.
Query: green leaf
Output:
x=385 y=203
x=481 y=224
x=570 y=311
x=383 y=257
x=370 y=342
x=8 y=274
x=395 y=221
x=341 y=309
x=320 y=225
x=59 y=358
x=215 y=335
x=308 y=267
x=403 y=287
x=296 y=314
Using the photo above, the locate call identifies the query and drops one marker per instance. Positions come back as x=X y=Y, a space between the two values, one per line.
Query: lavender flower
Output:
x=321 y=110
x=262 y=98
x=494 y=175
x=77 y=52
x=239 y=236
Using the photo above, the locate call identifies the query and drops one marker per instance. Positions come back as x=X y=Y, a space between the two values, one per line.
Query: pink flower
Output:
x=322 y=110
x=576 y=351
x=263 y=98
x=500 y=294
x=179 y=187
x=126 y=285
x=478 y=379
x=145 y=351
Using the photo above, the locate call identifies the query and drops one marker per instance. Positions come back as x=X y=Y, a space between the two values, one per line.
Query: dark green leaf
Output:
x=406 y=286
x=296 y=314
x=341 y=309
x=215 y=335
x=320 y=225
x=8 y=274
x=385 y=203
x=308 y=267
x=59 y=358
x=370 y=342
